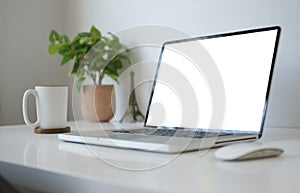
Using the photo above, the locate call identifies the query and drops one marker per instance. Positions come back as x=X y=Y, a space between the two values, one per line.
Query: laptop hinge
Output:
x=250 y=138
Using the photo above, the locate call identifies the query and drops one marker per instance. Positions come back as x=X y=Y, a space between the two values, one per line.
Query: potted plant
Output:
x=94 y=57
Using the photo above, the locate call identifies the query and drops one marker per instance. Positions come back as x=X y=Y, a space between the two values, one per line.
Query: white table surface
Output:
x=44 y=163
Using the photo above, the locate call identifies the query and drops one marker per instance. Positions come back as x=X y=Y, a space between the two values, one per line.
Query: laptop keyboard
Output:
x=173 y=132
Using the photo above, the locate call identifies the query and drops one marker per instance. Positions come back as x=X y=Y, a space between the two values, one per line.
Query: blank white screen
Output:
x=243 y=62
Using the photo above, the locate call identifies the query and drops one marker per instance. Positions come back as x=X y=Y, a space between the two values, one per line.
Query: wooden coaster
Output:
x=51 y=131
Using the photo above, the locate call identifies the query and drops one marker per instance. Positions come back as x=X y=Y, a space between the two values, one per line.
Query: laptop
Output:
x=207 y=92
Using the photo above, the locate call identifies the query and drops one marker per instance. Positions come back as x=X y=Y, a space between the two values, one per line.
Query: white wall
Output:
x=198 y=17
x=25 y=62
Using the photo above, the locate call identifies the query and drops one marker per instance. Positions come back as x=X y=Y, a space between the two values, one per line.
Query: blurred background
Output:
x=25 y=26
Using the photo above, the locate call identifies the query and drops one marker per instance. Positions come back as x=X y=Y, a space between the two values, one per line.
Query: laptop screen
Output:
x=218 y=82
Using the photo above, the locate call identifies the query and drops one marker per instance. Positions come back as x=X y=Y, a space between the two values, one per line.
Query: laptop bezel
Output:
x=259 y=133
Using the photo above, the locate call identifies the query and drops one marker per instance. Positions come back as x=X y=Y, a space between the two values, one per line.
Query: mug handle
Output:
x=24 y=104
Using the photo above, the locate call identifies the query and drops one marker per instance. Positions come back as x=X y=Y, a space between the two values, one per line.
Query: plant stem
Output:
x=101 y=76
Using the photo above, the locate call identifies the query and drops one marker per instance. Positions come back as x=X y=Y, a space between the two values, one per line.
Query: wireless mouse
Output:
x=247 y=151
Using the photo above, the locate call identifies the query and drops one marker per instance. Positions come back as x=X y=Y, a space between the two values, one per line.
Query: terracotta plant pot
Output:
x=97 y=102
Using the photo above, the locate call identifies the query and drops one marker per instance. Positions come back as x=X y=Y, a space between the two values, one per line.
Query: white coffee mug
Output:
x=51 y=104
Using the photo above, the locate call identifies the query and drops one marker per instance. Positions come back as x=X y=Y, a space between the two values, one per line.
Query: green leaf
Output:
x=64 y=38
x=84 y=40
x=53 y=36
x=63 y=48
x=112 y=69
x=106 y=40
x=66 y=59
x=52 y=49
x=95 y=33
x=111 y=75
x=115 y=38
x=123 y=57
x=76 y=39
x=81 y=50
x=84 y=34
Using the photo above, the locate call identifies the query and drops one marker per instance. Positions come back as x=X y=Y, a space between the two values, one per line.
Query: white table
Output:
x=42 y=162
